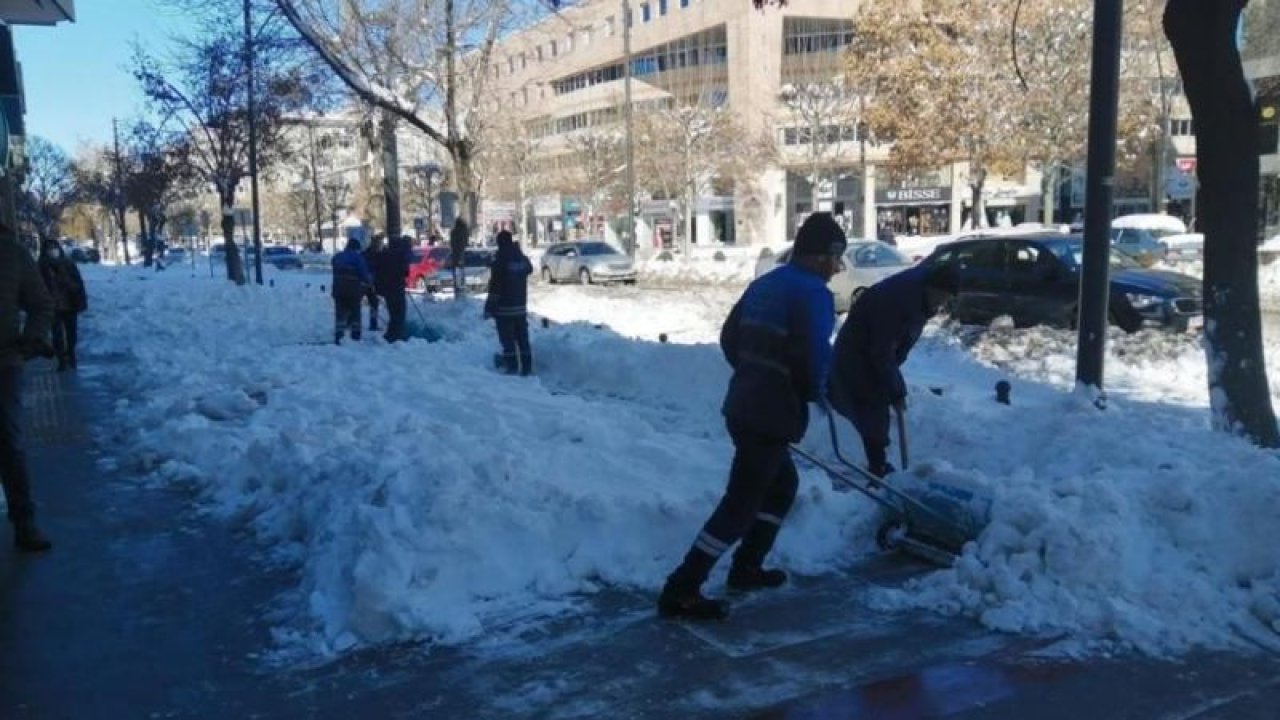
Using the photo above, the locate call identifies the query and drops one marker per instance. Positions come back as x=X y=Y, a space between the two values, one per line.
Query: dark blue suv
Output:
x=1035 y=279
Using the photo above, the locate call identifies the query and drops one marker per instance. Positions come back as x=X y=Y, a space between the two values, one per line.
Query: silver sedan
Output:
x=866 y=262
x=586 y=262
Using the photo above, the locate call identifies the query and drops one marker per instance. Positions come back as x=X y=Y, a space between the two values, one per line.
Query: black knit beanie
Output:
x=820 y=235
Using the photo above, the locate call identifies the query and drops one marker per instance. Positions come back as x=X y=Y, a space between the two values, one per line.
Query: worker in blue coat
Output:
x=351 y=282
x=881 y=329
x=508 y=294
x=777 y=338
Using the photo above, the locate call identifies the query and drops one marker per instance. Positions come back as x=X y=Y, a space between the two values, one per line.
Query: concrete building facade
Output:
x=564 y=77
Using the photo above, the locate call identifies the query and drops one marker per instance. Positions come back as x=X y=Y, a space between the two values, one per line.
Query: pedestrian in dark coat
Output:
x=352 y=281
x=506 y=304
x=778 y=341
x=390 y=270
x=459 y=239
x=371 y=260
x=885 y=235
x=880 y=331
x=21 y=293
x=66 y=289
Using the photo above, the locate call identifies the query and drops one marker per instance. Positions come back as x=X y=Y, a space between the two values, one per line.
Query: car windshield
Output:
x=877 y=255
x=597 y=248
x=1071 y=252
x=438 y=254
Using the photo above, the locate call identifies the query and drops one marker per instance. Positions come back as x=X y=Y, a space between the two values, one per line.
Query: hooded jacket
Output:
x=62 y=279
x=350 y=273
x=508 y=280
x=882 y=327
x=21 y=291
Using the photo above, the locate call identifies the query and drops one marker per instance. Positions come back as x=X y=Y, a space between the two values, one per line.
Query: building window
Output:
x=1182 y=128
x=555 y=49
x=539 y=51
x=568 y=43
x=585 y=37
x=646 y=12
x=524 y=61
x=684 y=3
x=511 y=64
x=662 y=7
x=813 y=35
x=525 y=92
x=608 y=26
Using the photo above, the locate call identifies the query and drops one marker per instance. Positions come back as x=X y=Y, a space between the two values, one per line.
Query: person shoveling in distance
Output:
x=777 y=338
x=881 y=329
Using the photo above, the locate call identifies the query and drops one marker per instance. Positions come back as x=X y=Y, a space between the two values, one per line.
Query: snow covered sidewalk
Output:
x=421 y=495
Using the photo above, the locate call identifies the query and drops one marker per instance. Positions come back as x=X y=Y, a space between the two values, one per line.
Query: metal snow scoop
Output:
x=932 y=522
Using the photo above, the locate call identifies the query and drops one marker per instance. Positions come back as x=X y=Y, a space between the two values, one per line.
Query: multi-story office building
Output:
x=563 y=77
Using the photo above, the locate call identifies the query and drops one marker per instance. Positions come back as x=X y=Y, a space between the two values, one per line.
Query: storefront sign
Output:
x=546 y=206
x=716 y=203
x=913 y=196
x=655 y=207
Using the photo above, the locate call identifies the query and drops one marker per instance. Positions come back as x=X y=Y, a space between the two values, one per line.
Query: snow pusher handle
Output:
x=902 y=436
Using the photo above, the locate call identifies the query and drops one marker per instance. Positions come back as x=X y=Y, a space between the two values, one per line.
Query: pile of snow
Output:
x=724 y=268
x=421 y=495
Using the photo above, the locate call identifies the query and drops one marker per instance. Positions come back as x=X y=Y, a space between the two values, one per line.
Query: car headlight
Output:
x=1144 y=302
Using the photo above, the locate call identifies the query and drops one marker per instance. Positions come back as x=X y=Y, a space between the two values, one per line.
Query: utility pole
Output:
x=627 y=114
x=1104 y=93
x=391 y=175
x=253 y=144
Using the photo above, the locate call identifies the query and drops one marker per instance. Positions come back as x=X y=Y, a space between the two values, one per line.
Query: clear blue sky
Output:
x=76 y=74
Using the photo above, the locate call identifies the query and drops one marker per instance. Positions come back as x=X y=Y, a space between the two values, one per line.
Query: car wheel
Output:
x=546 y=276
x=584 y=277
x=1123 y=316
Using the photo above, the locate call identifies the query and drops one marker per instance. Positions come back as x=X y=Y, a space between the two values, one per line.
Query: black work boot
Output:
x=755 y=578
x=28 y=538
x=678 y=602
x=526 y=365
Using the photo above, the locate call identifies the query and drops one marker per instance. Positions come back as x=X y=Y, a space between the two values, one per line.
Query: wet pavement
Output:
x=148 y=609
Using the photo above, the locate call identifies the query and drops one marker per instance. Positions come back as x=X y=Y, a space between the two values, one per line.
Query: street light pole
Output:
x=1104 y=91
x=253 y=143
x=627 y=114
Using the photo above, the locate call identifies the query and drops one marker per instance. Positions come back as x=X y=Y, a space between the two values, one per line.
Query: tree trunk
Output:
x=1203 y=36
x=235 y=264
x=391 y=175
x=1048 y=191
x=122 y=221
x=689 y=204
x=148 y=247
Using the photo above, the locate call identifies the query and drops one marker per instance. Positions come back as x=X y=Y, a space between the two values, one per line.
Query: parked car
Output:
x=175 y=256
x=1142 y=235
x=439 y=265
x=280 y=257
x=866 y=262
x=586 y=262
x=84 y=254
x=424 y=271
x=1035 y=279
x=1188 y=247
x=218 y=254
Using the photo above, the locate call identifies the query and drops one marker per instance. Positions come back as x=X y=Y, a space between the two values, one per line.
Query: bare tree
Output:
x=823 y=115
x=417 y=60
x=48 y=187
x=594 y=170
x=201 y=94
x=159 y=173
x=514 y=158
x=1224 y=108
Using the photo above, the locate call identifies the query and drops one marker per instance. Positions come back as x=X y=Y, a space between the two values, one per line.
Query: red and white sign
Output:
x=1187 y=164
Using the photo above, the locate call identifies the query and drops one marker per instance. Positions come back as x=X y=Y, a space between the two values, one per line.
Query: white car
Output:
x=866 y=262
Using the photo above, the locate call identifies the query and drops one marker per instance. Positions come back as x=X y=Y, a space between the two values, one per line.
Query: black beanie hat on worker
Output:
x=820 y=235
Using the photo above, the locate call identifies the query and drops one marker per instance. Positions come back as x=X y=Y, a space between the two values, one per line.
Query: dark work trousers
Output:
x=513 y=333
x=13 y=461
x=762 y=486
x=397 y=308
x=346 y=315
x=373 y=311
x=65 y=332
x=871 y=420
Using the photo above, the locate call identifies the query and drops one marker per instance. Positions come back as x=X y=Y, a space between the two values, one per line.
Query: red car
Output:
x=424 y=273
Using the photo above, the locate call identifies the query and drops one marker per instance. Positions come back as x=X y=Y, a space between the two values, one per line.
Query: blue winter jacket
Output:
x=778 y=340
x=508 y=283
x=350 y=274
x=882 y=327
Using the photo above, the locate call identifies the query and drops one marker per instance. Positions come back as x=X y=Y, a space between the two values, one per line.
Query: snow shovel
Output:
x=902 y=435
